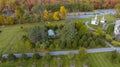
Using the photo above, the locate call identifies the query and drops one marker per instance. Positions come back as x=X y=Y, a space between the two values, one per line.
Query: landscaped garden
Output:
x=34 y=34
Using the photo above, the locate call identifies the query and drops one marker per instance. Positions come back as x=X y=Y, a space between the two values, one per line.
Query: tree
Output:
x=92 y=44
x=1 y=58
x=114 y=56
x=83 y=30
x=68 y=34
x=110 y=29
x=108 y=37
x=23 y=57
x=117 y=7
x=27 y=17
x=36 y=56
x=37 y=34
x=9 y=20
x=2 y=4
x=2 y=19
x=70 y=55
x=63 y=12
x=47 y=56
x=28 y=44
x=11 y=57
x=79 y=24
x=45 y=15
x=56 y=16
x=19 y=13
x=82 y=54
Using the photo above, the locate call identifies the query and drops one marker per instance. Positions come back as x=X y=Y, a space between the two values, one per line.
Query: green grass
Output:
x=109 y=18
x=101 y=60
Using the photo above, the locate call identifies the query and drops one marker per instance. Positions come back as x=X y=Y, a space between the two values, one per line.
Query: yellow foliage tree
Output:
x=45 y=15
x=56 y=16
x=1 y=19
x=9 y=20
x=28 y=45
x=63 y=12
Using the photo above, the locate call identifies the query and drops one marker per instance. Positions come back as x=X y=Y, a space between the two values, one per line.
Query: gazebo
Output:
x=51 y=33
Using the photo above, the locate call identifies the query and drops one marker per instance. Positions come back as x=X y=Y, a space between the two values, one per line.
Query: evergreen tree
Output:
x=92 y=44
x=68 y=34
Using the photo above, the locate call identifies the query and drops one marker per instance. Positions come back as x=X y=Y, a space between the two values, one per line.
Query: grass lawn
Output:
x=101 y=60
x=109 y=18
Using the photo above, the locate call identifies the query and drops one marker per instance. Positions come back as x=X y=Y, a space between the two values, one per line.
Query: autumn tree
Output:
x=9 y=20
x=63 y=12
x=56 y=16
x=28 y=44
x=2 y=19
x=19 y=13
x=2 y=4
x=45 y=15
x=117 y=7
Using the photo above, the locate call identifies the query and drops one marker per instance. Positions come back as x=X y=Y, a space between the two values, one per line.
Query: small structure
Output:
x=51 y=33
x=102 y=20
x=117 y=27
x=105 y=26
x=95 y=21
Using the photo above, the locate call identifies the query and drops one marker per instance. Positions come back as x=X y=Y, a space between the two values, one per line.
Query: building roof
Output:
x=51 y=32
x=117 y=22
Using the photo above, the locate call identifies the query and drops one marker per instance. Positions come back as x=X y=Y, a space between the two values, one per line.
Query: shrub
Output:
x=108 y=37
x=9 y=20
x=24 y=57
x=82 y=54
x=0 y=31
x=11 y=57
x=70 y=55
x=115 y=56
x=47 y=56
x=2 y=19
x=116 y=43
x=36 y=56
x=1 y=59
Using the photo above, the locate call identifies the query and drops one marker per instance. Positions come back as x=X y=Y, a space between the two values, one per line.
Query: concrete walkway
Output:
x=97 y=50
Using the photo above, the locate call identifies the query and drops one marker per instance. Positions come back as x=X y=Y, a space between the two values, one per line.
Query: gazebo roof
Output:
x=51 y=32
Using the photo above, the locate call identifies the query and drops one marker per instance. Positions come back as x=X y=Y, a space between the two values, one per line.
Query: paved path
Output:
x=86 y=23
x=97 y=50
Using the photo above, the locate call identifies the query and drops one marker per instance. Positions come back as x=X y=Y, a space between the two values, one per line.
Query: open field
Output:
x=101 y=60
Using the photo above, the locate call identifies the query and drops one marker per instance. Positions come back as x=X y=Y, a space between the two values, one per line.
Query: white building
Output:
x=95 y=21
x=102 y=20
x=117 y=27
